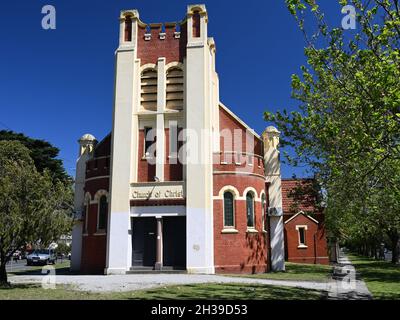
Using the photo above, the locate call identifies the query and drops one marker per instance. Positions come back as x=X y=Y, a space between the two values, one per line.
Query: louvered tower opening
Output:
x=175 y=89
x=148 y=96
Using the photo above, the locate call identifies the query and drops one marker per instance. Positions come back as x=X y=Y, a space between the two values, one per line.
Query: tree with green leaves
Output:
x=44 y=154
x=63 y=248
x=35 y=208
x=347 y=128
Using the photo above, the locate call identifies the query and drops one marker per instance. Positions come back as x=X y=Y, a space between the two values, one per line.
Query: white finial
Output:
x=86 y=143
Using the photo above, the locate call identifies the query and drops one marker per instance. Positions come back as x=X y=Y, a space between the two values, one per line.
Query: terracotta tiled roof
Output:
x=297 y=195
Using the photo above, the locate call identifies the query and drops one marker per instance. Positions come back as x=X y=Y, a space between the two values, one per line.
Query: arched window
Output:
x=128 y=29
x=196 y=24
x=250 y=210
x=229 y=215
x=264 y=212
x=148 y=94
x=86 y=209
x=102 y=216
x=175 y=89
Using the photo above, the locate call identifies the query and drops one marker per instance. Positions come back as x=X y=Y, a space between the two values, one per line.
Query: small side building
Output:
x=305 y=232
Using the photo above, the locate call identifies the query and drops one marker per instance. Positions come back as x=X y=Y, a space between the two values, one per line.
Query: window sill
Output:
x=252 y=230
x=85 y=234
x=302 y=246
x=229 y=230
x=100 y=233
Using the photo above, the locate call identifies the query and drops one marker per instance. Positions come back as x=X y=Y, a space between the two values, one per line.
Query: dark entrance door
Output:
x=144 y=237
x=174 y=242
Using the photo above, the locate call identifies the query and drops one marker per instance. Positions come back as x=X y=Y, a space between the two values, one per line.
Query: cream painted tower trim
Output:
x=119 y=250
x=275 y=212
x=199 y=178
x=161 y=104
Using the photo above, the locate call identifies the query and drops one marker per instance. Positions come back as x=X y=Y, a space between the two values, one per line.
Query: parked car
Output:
x=42 y=256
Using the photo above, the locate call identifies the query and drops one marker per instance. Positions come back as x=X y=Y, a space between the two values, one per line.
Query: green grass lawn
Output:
x=195 y=291
x=298 y=272
x=381 y=277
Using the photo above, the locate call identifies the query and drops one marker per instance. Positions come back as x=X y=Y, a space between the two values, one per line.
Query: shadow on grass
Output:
x=381 y=277
x=295 y=272
x=23 y=286
x=229 y=291
x=297 y=268
x=377 y=270
x=183 y=292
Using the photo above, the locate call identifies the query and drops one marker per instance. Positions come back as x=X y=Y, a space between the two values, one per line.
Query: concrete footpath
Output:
x=346 y=283
x=145 y=281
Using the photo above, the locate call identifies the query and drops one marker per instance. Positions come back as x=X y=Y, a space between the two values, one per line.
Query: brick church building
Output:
x=304 y=223
x=181 y=182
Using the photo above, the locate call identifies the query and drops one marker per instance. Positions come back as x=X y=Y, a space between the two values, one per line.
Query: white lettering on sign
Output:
x=158 y=192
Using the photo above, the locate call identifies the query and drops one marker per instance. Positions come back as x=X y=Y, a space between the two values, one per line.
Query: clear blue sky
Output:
x=58 y=84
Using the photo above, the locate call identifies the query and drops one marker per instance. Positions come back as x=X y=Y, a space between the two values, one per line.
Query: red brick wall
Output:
x=92 y=186
x=170 y=48
x=316 y=251
x=93 y=246
x=227 y=162
x=103 y=148
x=93 y=259
x=241 y=252
x=226 y=121
x=98 y=167
x=173 y=169
x=146 y=171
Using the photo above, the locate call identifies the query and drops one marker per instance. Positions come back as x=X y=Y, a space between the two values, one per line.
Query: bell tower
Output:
x=199 y=118
x=124 y=135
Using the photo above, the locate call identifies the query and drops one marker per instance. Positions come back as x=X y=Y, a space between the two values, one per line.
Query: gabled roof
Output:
x=239 y=120
x=293 y=201
x=305 y=215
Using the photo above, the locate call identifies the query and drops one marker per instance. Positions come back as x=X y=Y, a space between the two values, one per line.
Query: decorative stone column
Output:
x=159 y=256
x=275 y=212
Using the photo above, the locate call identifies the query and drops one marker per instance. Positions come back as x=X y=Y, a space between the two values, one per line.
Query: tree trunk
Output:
x=3 y=274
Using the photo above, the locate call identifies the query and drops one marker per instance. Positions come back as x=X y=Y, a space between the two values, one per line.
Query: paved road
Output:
x=21 y=266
